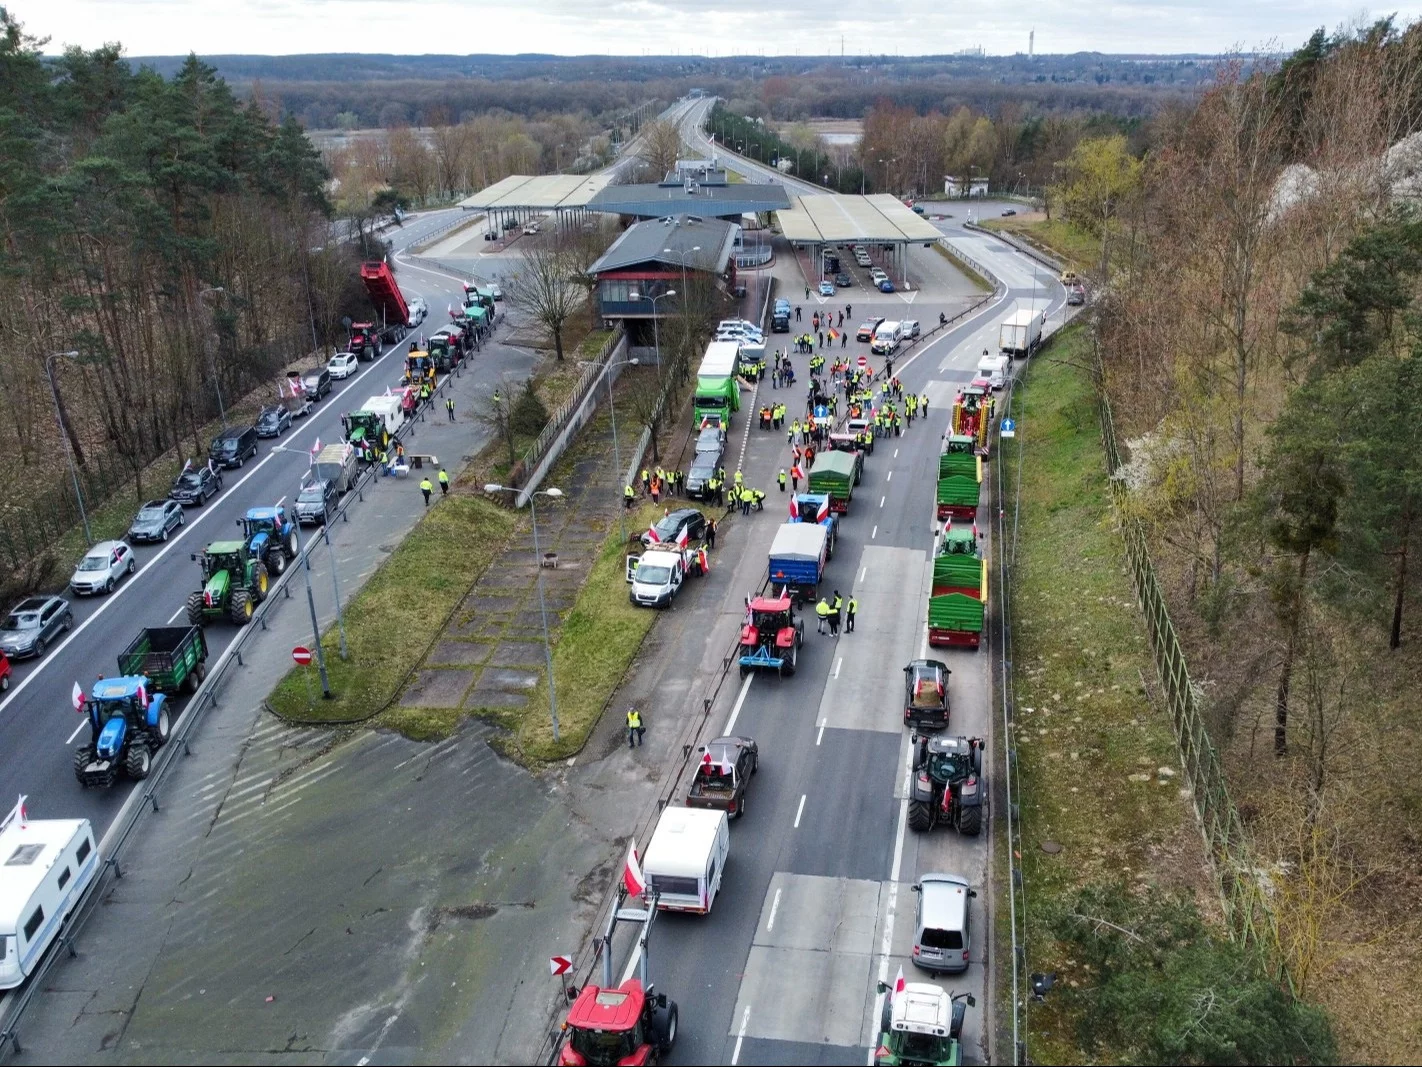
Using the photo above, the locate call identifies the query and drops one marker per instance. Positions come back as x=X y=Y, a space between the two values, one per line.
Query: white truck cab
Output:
x=656 y=576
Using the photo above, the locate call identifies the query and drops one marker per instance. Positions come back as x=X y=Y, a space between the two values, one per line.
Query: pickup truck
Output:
x=723 y=775
x=174 y=658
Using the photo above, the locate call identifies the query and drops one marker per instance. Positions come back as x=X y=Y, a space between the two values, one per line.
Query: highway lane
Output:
x=37 y=726
x=816 y=904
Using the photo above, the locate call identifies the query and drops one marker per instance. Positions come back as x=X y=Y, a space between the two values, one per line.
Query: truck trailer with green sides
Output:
x=835 y=474
x=960 y=479
x=957 y=604
x=718 y=395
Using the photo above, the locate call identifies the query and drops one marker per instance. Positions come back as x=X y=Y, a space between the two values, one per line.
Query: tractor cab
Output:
x=364 y=340
x=958 y=443
x=772 y=635
x=949 y=759
x=926 y=694
x=127 y=725
x=439 y=350
x=234 y=583
x=221 y=557
x=960 y=541
x=363 y=426
x=611 y=1026
x=418 y=367
x=921 y=1025
x=810 y=507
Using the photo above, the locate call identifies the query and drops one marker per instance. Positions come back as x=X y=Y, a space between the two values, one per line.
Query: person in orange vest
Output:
x=795 y=477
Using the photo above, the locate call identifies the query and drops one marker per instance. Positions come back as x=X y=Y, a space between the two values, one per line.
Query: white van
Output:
x=45 y=866
x=994 y=369
x=687 y=857
x=887 y=338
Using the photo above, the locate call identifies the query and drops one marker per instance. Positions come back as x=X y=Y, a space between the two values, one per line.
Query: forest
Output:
x=1258 y=319
x=166 y=242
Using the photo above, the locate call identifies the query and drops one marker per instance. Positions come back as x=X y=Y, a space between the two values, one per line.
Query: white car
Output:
x=418 y=310
x=494 y=287
x=878 y=275
x=343 y=365
x=103 y=567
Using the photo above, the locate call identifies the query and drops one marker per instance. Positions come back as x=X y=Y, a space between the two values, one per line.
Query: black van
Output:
x=232 y=448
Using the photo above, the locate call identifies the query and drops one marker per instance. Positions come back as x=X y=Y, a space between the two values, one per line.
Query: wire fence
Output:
x=589 y=379
x=1251 y=918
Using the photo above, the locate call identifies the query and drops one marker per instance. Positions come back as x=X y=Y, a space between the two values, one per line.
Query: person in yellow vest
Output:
x=427 y=489
x=739 y=480
x=443 y=482
x=782 y=479
x=849 y=616
x=635 y=729
x=822 y=610
x=629 y=495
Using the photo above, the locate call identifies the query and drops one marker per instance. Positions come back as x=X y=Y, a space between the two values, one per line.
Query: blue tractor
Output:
x=127 y=725
x=271 y=536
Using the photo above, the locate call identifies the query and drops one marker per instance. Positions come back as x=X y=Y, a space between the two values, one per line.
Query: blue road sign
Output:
x=1009 y=428
x=821 y=411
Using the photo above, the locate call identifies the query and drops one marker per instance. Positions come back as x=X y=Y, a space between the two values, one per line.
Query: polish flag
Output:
x=727 y=767
x=684 y=537
x=142 y=695
x=24 y=816
x=632 y=876
x=76 y=697
x=794 y=507
x=316 y=448
x=652 y=535
x=898 y=984
x=822 y=512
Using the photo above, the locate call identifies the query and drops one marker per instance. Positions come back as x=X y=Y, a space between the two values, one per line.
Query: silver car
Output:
x=103 y=567
x=32 y=624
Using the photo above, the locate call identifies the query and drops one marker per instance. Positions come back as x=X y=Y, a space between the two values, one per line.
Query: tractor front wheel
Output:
x=276 y=562
x=260 y=582
x=139 y=760
x=195 y=606
x=158 y=734
x=920 y=818
x=83 y=756
x=240 y=607
x=290 y=546
x=970 y=821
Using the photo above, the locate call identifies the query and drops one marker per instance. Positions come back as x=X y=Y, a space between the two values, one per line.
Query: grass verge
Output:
x=596 y=644
x=1074 y=247
x=1097 y=761
x=973 y=276
x=404 y=606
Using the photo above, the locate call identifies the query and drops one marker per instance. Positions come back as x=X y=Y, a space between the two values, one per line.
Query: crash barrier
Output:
x=570 y=417
x=588 y=959
x=1251 y=918
x=749 y=260
x=145 y=795
x=1017 y=243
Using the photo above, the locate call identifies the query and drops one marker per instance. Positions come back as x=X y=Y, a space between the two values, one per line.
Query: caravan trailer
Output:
x=45 y=866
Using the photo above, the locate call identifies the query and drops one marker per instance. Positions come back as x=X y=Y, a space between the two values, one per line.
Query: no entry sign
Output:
x=302 y=655
x=863 y=362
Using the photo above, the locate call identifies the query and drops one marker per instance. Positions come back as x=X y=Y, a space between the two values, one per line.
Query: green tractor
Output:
x=921 y=1026
x=234 y=583
x=363 y=426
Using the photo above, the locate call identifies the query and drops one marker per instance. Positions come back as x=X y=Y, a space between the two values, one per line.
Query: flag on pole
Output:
x=142 y=695
x=822 y=512
x=728 y=767
x=652 y=535
x=316 y=447
x=794 y=507
x=20 y=807
x=898 y=983
x=684 y=537
x=632 y=876
x=76 y=697
x=834 y=335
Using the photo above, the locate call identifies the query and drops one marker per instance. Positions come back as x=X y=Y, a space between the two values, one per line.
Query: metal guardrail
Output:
x=144 y=796
x=745 y=260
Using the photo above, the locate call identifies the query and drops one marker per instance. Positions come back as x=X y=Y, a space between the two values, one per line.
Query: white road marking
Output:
x=82 y=723
x=176 y=614
x=736 y=711
x=774 y=907
x=889 y=477
x=740 y=1036
x=800 y=811
x=821 y=735
x=881 y=500
x=836 y=666
x=896 y=453
x=873 y=533
x=864 y=571
x=891 y=909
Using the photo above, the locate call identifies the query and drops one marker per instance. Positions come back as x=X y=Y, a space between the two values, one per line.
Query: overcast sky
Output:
x=638 y=27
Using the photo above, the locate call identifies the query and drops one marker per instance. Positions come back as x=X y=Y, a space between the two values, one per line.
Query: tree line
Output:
x=1259 y=316
x=164 y=242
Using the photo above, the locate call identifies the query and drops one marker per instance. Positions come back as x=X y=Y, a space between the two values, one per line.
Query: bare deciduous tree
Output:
x=545 y=287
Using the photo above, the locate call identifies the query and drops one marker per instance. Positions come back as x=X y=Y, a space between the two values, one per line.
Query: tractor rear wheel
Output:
x=788 y=664
x=239 y=608
x=260 y=582
x=139 y=760
x=83 y=756
x=920 y=818
x=970 y=821
x=158 y=733
x=195 y=606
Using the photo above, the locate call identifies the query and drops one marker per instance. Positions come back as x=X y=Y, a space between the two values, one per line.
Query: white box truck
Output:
x=687 y=858
x=1020 y=333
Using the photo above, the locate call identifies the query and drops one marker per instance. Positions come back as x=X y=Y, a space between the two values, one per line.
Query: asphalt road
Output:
x=816 y=907
x=38 y=727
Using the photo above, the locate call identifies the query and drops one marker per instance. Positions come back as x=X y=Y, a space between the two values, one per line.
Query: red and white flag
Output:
x=142 y=695
x=316 y=447
x=76 y=697
x=684 y=537
x=822 y=512
x=728 y=767
x=652 y=535
x=632 y=876
x=898 y=984
x=24 y=816
x=794 y=507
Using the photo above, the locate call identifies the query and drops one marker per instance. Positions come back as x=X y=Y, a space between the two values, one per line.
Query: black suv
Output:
x=315 y=501
x=702 y=470
x=670 y=528
x=195 y=485
x=316 y=382
x=233 y=447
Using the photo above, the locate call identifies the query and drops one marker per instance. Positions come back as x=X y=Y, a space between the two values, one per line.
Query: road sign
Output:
x=1009 y=428
x=863 y=362
x=821 y=411
x=302 y=655
x=559 y=965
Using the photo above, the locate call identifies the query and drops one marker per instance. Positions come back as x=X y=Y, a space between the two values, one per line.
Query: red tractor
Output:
x=364 y=341
x=771 y=637
x=623 y=1025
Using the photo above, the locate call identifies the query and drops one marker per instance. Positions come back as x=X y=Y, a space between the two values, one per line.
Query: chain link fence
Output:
x=1248 y=911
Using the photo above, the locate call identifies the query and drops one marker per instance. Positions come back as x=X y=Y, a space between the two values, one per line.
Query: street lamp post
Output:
x=212 y=360
x=656 y=336
x=553 y=494
x=682 y=257
x=64 y=435
x=310 y=599
x=612 y=410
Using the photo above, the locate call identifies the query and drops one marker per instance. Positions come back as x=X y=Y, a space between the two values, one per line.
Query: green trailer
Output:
x=957 y=606
x=174 y=658
x=835 y=474
x=960 y=479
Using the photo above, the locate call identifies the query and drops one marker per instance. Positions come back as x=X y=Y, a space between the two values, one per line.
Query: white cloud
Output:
x=660 y=27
